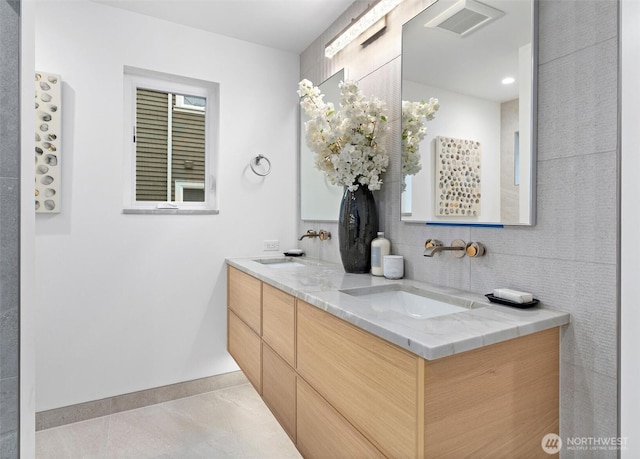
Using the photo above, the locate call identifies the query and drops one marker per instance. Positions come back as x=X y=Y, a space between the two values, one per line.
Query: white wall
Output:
x=630 y=221
x=461 y=117
x=130 y=302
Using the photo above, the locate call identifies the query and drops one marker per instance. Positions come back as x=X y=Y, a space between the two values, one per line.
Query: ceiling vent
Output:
x=464 y=17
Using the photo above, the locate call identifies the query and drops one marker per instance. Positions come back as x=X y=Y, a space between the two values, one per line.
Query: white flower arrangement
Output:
x=414 y=117
x=347 y=142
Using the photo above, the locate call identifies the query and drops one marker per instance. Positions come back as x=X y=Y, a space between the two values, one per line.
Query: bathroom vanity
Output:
x=349 y=376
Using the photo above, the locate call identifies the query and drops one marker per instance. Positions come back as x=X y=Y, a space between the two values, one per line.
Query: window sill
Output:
x=171 y=211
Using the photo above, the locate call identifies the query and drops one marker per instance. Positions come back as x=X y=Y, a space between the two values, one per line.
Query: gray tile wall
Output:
x=9 y=225
x=568 y=259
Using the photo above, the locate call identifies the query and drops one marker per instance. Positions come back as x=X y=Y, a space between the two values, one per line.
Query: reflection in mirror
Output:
x=319 y=199
x=476 y=160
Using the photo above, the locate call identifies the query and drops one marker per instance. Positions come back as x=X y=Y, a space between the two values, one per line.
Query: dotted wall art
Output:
x=48 y=101
x=457 y=177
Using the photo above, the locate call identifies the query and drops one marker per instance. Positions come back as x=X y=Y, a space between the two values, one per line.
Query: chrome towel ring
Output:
x=256 y=162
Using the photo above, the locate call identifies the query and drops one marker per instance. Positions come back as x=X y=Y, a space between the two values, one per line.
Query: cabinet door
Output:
x=279 y=389
x=245 y=347
x=371 y=382
x=244 y=297
x=496 y=401
x=278 y=322
x=323 y=433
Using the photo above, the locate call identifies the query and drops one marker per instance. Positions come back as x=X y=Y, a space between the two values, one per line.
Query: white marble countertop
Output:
x=320 y=283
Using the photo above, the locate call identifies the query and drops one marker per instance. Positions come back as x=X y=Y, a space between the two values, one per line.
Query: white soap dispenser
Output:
x=380 y=247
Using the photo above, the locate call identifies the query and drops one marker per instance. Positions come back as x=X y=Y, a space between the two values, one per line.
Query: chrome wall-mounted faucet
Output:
x=322 y=235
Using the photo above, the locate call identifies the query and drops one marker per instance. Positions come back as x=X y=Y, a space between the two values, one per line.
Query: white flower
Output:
x=414 y=116
x=347 y=142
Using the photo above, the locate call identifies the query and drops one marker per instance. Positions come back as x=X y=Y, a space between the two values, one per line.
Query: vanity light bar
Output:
x=370 y=16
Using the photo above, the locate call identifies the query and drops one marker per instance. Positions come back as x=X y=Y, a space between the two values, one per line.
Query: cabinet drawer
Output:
x=245 y=347
x=244 y=297
x=371 y=382
x=322 y=432
x=278 y=322
x=279 y=389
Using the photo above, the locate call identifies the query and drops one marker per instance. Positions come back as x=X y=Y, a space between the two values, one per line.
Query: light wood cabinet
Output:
x=339 y=391
x=278 y=322
x=246 y=348
x=372 y=383
x=279 y=389
x=496 y=401
x=261 y=339
x=244 y=297
x=324 y=433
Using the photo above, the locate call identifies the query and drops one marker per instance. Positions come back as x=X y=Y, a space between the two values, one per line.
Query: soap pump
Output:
x=380 y=247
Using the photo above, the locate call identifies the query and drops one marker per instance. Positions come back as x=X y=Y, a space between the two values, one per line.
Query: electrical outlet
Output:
x=271 y=245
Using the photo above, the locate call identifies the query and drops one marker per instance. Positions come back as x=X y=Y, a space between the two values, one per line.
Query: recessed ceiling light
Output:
x=508 y=80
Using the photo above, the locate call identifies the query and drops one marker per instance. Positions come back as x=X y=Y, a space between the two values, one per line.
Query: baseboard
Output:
x=97 y=408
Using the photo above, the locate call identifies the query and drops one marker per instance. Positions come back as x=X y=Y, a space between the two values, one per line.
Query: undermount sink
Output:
x=409 y=301
x=285 y=262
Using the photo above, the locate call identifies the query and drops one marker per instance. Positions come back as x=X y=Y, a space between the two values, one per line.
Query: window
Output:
x=189 y=191
x=191 y=102
x=171 y=134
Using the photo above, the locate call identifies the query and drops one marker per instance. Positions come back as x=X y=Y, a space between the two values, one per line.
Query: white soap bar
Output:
x=513 y=295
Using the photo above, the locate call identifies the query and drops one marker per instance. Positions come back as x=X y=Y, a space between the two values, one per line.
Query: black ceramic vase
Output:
x=357 y=227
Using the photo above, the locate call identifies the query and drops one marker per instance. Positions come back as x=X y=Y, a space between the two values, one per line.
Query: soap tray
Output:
x=495 y=299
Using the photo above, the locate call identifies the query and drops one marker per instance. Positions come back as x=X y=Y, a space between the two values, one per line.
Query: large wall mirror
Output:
x=319 y=199
x=477 y=159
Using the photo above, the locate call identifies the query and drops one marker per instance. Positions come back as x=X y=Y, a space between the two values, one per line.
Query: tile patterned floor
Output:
x=227 y=423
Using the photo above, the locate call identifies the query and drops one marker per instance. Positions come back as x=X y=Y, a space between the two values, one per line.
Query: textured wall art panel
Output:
x=457 y=177
x=48 y=115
